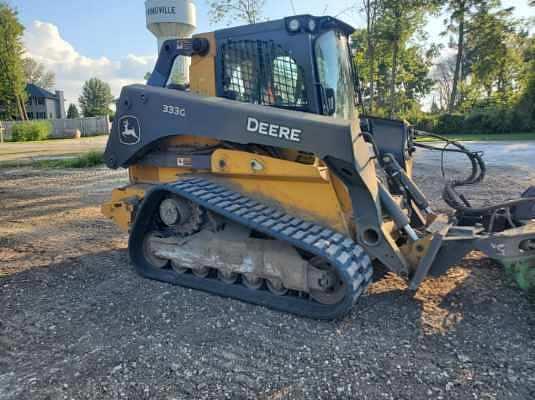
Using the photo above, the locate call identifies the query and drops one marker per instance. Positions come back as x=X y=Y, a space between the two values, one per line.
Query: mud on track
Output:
x=77 y=322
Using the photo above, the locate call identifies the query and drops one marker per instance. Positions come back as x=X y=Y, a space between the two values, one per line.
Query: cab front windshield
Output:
x=335 y=72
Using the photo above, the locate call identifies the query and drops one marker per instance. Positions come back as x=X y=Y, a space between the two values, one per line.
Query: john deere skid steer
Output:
x=257 y=180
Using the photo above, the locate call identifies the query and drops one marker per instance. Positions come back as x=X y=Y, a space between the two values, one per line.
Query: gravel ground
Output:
x=77 y=323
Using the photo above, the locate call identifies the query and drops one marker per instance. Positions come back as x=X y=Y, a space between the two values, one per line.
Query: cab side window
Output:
x=262 y=72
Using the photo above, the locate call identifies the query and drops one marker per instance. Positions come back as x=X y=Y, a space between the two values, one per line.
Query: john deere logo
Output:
x=129 y=130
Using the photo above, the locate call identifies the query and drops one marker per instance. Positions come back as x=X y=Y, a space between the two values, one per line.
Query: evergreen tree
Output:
x=72 y=112
x=96 y=98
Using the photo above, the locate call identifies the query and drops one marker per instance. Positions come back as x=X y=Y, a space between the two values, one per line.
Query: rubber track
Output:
x=349 y=259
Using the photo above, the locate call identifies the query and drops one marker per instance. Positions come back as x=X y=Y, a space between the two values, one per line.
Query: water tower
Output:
x=172 y=19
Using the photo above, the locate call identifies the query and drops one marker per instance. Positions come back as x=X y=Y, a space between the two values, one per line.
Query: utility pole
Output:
x=293 y=7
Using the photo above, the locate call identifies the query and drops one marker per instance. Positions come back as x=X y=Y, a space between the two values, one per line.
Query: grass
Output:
x=483 y=137
x=59 y=139
x=87 y=160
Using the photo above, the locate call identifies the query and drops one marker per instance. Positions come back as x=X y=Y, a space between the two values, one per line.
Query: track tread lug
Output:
x=279 y=227
x=299 y=235
x=207 y=196
x=259 y=219
x=348 y=243
x=327 y=233
x=190 y=189
x=316 y=229
x=344 y=257
x=286 y=218
x=311 y=239
x=215 y=200
x=268 y=223
x=259 y=208
x=295 y=222
x=289 y=231
x=268 y=211
x=277 y=215
x=321 y=244
x=337 y=237
x=305 y=226
x=250 y=215
x=233 y=207
x=241 y=211
x=333 y=250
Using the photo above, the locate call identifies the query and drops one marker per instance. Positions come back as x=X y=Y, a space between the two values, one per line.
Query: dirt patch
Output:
x=77 y=322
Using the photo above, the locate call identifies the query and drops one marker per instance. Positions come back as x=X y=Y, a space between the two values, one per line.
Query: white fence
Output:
x=62 y=128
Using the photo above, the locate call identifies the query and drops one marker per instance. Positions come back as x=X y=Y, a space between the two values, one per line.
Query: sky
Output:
x=108 y=38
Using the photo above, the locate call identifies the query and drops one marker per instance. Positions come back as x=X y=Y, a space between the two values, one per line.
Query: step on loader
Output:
x=258 y=180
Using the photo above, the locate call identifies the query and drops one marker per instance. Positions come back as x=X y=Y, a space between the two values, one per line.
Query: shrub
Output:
x=31 y=131
x=490 y=120
x=450 y=123
x=90 y=159
x=87 y=160
x=426 y=122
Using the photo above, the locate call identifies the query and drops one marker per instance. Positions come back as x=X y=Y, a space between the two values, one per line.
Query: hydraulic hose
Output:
x=478 y=172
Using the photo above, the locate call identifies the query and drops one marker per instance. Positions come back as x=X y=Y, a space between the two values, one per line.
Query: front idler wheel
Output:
x=332 y=290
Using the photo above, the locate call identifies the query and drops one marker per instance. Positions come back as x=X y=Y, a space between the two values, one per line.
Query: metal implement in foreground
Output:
x=259 y=181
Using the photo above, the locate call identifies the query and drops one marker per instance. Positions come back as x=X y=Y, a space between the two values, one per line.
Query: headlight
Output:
x=294 y=25
x=312 y=25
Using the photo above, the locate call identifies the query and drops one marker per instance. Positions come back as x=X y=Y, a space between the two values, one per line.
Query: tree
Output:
x=493 y=56
x=12 y=82
x=442 y=74
x=435 y=109
x=525 y=104
x=401 y=19
x=371 y=9
x=72 y=112
x=35 y=73
x=96 y=98
x=248 y=11
x=390 y=24
x=458 y=24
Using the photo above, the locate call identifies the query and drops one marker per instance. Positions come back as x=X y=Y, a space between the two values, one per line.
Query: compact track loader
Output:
x=257 y=180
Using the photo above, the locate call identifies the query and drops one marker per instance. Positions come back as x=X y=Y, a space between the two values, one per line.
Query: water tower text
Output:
x=161 y=10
